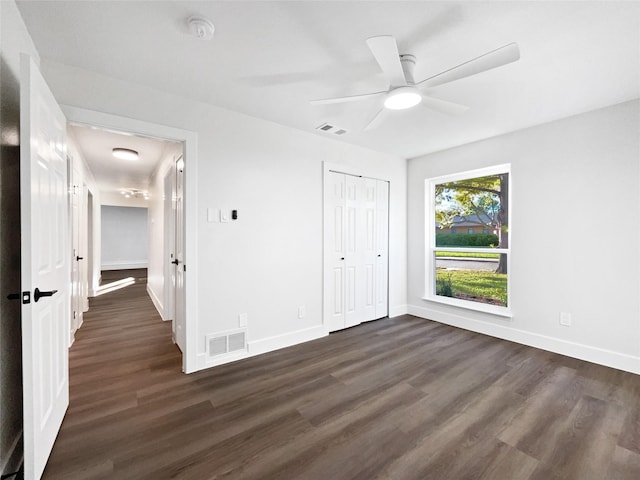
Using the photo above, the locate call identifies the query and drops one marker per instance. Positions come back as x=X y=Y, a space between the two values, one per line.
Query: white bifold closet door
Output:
x=356 y=233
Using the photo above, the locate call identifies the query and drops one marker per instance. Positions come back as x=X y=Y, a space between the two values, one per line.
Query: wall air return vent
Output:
x=225 y=343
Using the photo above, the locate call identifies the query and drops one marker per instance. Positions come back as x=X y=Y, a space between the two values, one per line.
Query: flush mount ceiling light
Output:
x=125 y=153
x=402 y=98
x=201 y=28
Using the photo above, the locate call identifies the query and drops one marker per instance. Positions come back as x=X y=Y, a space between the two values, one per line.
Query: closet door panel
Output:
x=382 y=249
x=334 y=250
x=353 y=257
x=367 y=243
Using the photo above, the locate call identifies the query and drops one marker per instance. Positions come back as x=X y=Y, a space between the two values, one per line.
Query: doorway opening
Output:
x=156 y=186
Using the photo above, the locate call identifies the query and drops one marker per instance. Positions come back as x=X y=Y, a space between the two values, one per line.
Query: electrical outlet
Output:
x=243 y=319
x=565 y=319
x=302 y=312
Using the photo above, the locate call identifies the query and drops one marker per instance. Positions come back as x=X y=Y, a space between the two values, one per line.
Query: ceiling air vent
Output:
x=327 y=127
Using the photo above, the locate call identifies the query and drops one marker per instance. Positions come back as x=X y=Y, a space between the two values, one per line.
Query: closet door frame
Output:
x=330 y=322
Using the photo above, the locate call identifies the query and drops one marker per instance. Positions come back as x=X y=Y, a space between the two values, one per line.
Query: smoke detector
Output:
x=201 y=28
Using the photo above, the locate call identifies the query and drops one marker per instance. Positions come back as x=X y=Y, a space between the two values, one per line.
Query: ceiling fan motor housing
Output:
x=408 y=63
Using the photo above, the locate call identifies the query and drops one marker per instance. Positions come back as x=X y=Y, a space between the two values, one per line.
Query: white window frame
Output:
x=431 y=249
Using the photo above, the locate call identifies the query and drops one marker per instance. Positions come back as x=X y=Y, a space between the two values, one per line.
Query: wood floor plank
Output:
x=625 y=465
x=630 y=436
x=396 y=399
x=584 y=448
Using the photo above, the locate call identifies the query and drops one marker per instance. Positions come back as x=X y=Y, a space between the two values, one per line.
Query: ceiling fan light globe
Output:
x=402 y=98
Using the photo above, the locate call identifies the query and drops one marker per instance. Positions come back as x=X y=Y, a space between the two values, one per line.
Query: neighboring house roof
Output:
x=466 y=221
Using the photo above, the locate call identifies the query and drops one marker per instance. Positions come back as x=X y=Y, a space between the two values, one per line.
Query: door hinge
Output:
x=184 y=267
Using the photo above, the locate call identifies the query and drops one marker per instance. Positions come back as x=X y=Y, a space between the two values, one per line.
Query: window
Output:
x=470 y=270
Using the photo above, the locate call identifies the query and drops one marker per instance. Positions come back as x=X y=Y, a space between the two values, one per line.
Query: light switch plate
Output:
x=225 y=215
x=212 y=215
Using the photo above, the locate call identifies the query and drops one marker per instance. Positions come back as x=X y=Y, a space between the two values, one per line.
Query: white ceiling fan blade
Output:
x=496 y=58
x=352 y=98
x=443 y=106
x=385 y=49
x=376 y=120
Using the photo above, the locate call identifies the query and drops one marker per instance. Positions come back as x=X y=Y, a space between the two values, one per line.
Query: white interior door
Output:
x=84 y=249
x=178 y=318
x=334 y=256
x=354 y=259
x=45 y=267
x=356 y=230
x=367 y=240
x=169 y=271
x=382 y=250
x=76 y=282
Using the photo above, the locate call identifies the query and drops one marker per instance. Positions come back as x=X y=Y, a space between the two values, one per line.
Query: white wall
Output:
x=124 y=237
x=87 y=178
x=157 y=249
x=14 y=39
x=574 y=234
x=269 y=261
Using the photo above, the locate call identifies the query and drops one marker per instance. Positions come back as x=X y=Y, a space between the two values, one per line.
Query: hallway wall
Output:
x=159 y=273
x=124 y=237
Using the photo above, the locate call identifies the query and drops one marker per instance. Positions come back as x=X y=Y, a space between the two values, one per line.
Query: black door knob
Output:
x=79 y=258
x=176 y=261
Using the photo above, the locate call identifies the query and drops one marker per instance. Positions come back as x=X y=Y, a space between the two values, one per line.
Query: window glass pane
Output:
x=472 y=276
x=474 y=205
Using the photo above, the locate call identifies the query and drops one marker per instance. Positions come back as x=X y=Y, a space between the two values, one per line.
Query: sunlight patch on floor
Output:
x=113 y=286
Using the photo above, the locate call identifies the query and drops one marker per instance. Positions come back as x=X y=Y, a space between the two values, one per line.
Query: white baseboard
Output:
x=156 y=301
x=124 y=266
x=264 y=345
x=277 y=342
x=580 y=351
x=13 y=459
x=397 y=310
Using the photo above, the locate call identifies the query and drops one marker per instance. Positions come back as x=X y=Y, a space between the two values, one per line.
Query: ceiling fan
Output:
x=404 y=92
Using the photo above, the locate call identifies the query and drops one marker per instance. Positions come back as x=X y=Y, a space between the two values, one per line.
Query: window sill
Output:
x=468 y=305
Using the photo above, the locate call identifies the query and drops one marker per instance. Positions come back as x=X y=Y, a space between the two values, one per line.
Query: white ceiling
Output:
x=267 y=59
x=112 y=174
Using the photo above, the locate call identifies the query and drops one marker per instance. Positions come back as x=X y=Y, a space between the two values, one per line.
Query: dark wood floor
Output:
x=394 y=399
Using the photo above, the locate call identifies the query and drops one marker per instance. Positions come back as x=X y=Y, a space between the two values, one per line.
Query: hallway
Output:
x=121 y=361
